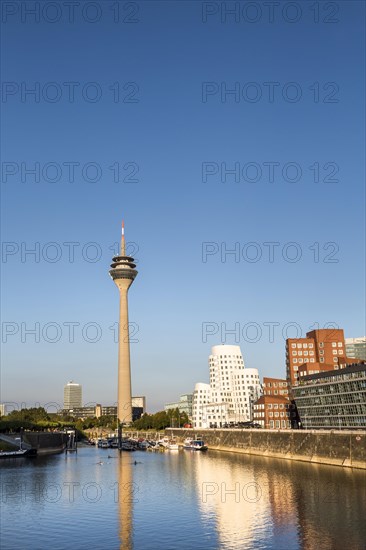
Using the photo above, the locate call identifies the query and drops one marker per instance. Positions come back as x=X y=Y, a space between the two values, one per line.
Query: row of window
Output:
x=304 y=346
x=310 y=346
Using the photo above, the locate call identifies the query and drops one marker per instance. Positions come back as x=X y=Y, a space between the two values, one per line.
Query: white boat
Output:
x=194 y=444
x=173 y=445
x=18 y=453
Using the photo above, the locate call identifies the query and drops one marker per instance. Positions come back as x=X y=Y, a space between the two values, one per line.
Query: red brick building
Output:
x=272 y=412
x=275 y=386
x=321 y=349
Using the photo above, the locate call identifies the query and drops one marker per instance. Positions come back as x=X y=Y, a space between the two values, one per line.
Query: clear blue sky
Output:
x=171 y=129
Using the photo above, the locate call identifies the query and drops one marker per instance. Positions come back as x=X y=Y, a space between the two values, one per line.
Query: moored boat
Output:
x=173 y=445
x=18 y=453
x=194 y=445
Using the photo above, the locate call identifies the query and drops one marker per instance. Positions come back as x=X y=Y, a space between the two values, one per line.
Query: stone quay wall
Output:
x=46 y=442
x=339 y=448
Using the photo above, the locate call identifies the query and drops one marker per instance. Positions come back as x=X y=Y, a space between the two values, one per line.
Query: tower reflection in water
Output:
x=126 y=495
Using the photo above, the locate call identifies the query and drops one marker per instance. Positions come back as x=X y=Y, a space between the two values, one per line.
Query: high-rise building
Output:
x=356 y=348
x=123 y=273
x=72 y=395
x=232 y=391
x=320 y=347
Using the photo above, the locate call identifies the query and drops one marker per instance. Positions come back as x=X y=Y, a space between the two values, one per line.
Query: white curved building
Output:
x=231 y=393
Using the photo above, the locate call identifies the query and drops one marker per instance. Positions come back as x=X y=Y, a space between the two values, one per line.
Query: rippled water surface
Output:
x=98 y=499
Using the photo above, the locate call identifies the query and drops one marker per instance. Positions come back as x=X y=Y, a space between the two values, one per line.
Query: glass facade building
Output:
x=333 y=400
x=356 y=348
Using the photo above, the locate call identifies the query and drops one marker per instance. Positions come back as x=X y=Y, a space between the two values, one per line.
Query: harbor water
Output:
x=100 y=499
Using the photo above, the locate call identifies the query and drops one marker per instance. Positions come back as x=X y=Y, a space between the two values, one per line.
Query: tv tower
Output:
x=123 y=273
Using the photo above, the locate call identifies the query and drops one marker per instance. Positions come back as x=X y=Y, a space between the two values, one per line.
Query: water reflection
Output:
x=294 y=505
x=100 y=499
x=126 y=491
x=233 y=495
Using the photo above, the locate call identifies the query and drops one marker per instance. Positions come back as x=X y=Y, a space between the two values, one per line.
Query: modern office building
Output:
x=324 y=347
x=184 y=405
x=356 y=348
x=72 y=395
x=334 y=399
x=138 y=407
x=123 y=273
x=232 y=391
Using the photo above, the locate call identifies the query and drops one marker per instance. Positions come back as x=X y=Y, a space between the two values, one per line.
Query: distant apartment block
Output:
x=356 y=348
x=333 y=400
x=229 y=397
x=98 y=410
x=184 y=405
x=72 y=396
x=2 y=409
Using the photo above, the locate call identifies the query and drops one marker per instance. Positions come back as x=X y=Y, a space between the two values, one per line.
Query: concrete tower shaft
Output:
x=123 y=273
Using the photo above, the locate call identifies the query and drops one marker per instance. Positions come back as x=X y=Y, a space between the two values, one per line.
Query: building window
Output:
x=322 y=359
x=340 y=345
x=299 y=346
x=295 y=360
x=321 y=345
x=335 y=360
x=312 y=360
x=334 y=344
x=293 y=345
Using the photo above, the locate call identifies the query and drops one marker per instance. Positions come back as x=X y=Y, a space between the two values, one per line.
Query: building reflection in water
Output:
x=295 y=505
x=126 y=495
x=230 y=494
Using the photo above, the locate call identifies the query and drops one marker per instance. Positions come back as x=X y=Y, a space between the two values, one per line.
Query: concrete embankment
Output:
x=46 y=442
x=343 y=448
